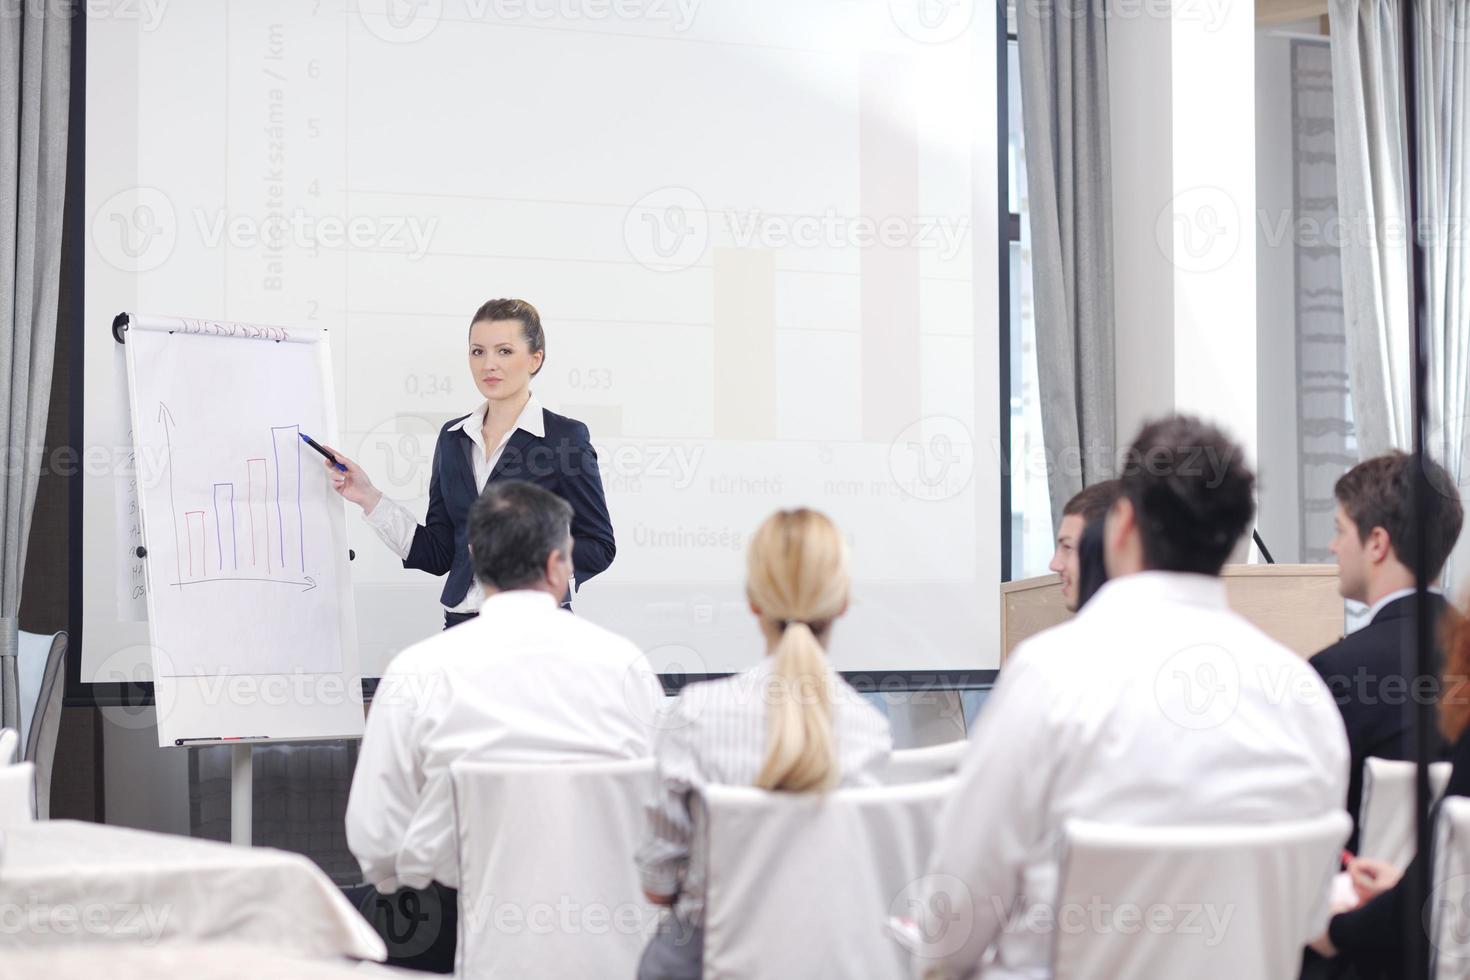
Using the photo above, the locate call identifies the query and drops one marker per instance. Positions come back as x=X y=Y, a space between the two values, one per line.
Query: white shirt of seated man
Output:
x=526 y=681
x=1155 y=705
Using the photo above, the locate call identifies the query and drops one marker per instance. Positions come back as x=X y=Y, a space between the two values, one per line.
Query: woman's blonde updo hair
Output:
x=796 y=575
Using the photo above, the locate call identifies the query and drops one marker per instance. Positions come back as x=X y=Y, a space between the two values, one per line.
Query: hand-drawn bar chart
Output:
x=253 y=528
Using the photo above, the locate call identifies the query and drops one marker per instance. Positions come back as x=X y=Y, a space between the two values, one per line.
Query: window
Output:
x=1029 y=528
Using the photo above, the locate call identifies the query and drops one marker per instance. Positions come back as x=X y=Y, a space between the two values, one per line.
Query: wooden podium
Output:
x=1297 y=605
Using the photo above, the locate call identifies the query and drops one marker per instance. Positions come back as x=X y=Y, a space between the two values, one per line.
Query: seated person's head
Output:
x=1081 y=512
x=520 y=538
x=1374 y=540
x=796 y=573
x=1187 y=498
x=797 y=582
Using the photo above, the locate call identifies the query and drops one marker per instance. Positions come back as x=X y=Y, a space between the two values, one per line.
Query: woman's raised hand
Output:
x=354 y=484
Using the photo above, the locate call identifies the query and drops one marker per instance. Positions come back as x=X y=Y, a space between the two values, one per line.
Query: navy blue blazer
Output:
x=1365 y=673
x=563 y=462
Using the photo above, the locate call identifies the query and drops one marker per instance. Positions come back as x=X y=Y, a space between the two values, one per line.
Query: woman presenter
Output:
x=507 y=436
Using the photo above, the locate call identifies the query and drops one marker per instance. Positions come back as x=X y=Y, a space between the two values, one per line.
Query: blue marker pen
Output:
x=318 y=447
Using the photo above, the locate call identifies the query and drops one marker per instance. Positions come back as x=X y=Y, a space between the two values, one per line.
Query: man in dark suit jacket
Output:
x=1375 y=564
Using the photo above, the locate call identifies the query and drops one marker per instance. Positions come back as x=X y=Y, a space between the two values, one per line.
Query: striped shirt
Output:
x=716 y=734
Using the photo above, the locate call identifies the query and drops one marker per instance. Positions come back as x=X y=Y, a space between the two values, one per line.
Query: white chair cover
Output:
x=548 y=887
x=41 y=661
x=1205 y=902
x=801 y=885
x=1449 y=901
x=924 y=764
x=1386 y=814
x=9 y=747
x=17 y=795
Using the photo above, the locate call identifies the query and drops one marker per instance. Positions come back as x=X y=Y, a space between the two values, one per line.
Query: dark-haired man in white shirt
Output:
x=1156 y=705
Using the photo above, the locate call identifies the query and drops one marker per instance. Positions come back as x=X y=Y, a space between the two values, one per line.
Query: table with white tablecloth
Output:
x=67 y=882
x=188 y=961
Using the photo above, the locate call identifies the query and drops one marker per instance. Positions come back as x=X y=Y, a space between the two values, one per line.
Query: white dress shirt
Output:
x=395 y=524
x=524 y=682
x=716 y=733
x=1155 y=705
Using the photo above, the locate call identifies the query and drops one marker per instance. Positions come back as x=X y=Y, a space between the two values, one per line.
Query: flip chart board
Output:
x=250 y=613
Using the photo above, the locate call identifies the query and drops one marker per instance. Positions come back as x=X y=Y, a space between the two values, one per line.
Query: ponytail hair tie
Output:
x=785 y=624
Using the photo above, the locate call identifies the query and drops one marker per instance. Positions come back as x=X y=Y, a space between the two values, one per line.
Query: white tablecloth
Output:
x=185 y=961
x=65 y=882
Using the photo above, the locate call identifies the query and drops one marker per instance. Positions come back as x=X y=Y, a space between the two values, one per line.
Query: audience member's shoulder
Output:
x=427 y=654
x=1337 y=657
x=723 y=697
x=413 y=677
x=1246 y=638
x=864 y=712
x=867 y=718
x=1058 y=650
x=1381 y=638
x=599 y=640
x=697 y=700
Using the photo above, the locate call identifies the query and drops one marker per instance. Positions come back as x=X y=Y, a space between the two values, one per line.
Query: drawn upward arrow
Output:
x=166 y=419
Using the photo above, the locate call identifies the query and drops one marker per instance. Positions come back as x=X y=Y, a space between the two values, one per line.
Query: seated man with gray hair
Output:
x=525 y=681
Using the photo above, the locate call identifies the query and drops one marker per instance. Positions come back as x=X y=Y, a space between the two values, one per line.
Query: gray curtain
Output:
x=1369 y=102
x=1064 y=102
x=35 y=53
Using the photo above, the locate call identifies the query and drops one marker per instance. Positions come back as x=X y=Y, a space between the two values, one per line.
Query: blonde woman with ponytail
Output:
x=790 y=724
